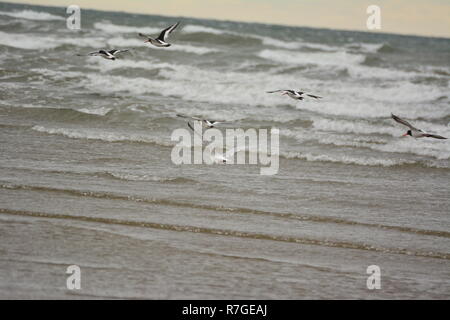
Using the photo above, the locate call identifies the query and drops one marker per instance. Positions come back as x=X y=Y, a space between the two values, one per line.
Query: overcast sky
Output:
x=417 y=17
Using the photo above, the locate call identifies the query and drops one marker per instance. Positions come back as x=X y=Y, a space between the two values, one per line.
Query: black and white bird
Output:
x=109 y=55
x=297 y=95
x=413 y=131
x=206 y=123
x=161 y=40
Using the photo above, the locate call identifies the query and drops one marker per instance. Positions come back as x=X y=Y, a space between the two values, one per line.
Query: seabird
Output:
x=206 y=123
x=161 y=40
x=110 y=55
x=413 y=131
x=297 y=95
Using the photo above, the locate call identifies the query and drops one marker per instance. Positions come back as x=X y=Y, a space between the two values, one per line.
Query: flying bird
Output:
x=109 y=55
x=297 y=95
x=160 y=41
x=206 y=123
x=413 y=131
x=224 y=157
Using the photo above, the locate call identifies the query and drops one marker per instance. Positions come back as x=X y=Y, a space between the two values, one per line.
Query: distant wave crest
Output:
x=31 y=15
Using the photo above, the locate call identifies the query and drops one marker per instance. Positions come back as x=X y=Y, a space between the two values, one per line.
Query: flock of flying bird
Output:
x=161 y=41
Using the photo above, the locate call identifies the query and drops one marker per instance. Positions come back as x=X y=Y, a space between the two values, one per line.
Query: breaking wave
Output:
x=93 y=134
x=345 y=159
x=32 y=15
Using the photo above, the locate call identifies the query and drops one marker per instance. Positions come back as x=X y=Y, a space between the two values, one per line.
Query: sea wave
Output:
x=149 y=64
x=58 y=113
x=428 y=148
x=123 y=42
x=31 y=15
x=361 y=134
x=190 y=28
x=39 y=42
x=360 y=126
x=22 y=41
x=365 y=47
x=267 y=41
x=114 y=28
x=233 y=233
x=356 y=64
x=316 y=58
x=353 y=126
x=346 y=159
x=93 y=134
x=147 y=177
x=100 y=111
x=279 y=44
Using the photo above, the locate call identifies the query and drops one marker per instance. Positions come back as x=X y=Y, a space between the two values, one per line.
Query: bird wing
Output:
x=165 y=33
x=113 y=52
x=192 y=128
x=433 y=136
x=189 y=117
x=217 y=122
x=287 y=90
x=143 y=35
x=313 y=96
x=403 y=122
x=94 y=53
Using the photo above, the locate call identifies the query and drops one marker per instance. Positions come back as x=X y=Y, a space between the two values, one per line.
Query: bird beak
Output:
x=404 y=135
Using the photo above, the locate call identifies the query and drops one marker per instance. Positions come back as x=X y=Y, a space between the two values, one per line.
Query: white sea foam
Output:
x=22 y=41
x=365 y=47
x=31 y=15
x=39 y=42
x=280 y=44
x=317 y=58
x=221 y=87
x=191 y=28
x=95 y=110
x=319 y=46
x=438 y=149
x=93 y=134
x=345 y=159
x=106 y=65
x=341 y=99
x=192 y=49
x=123 y=42
x=339 y=60
x=92 y=42
x=114 y=28
x=101 y=111
x=363 y=126
x=352 y=134
x=59 y=75
x=142 y=177
x=354 y=126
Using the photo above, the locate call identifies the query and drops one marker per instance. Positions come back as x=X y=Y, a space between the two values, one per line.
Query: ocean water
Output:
x=86 y=176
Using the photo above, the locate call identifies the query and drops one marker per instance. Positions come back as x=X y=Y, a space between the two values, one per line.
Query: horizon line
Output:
x=241 y=21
